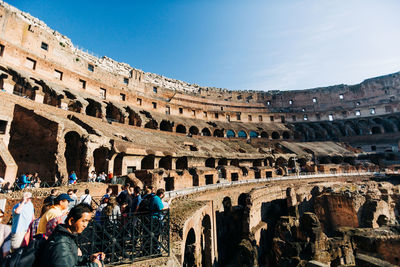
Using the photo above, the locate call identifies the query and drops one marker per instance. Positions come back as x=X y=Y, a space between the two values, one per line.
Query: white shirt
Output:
x=86 y=199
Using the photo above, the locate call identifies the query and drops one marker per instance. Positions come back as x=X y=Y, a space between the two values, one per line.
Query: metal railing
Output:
x=125 y=239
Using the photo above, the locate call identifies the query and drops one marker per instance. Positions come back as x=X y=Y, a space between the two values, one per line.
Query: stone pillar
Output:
x=156 y=162
x=39 y=96
x=11 y=167
x=8 y=85
x=64 y=104
x=111 y=163
x=173 y=163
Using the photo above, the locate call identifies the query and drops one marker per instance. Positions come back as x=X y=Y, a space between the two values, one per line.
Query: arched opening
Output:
x=134 y=118
x=222 y=162
x=118 y=164
x=210 y=162
x=242 y=134
x=291 y=163
x=281 y=162
x=337 y=159
x=325 y=160
x=206 y=132
x=269 y=162
x=257 y=163
x=194 y=130
x=230 y=134
x=166 y=126
x=180 y=129
x=190 y=249
x=235 y=162
x=114 y=114
x=243 y=199
x=349 y=160
x=93 y=109
x=376 y=130
x=147 y=162
x=75 y=155
x=151 y=124
x=75 y=106
x=219 y=133
x=206 y=259
x=264 y=135
x=166 y=163
x=169 y=183
x=286 y=135
x=101 y=159
x=275 y=135
x=253 y=134
x=182 y=163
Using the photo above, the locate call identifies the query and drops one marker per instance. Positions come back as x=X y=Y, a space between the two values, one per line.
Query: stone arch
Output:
x=281 y=162
x=194 y=130
x=376 y=129
x=340 y=128
x=291 y=162
x=243 y=199
x=264 y=134
x=206 y=241
x=230 y=134
x=363 y=126
x=75 y=106
x=349 y=128
x=222 y=162
x=205 y=132
x=147 y=162
x=320 y=131
x=253 y=134
x=387 y=126
x=75 y=154
x=219 y=133
x=180 y=129
x=286 y=135
x=235 y=162
x=337 y=159
x=210 y=162
x=93 y=108
x=165 y=162
x=189 y=258
x=118 y=164
x=133 y=118
x=114 y=114
x=257 y=163
x=151 y=124
x=275 y=135
x=242 y=134
x=269 y=161
x=166 y=126
x=182 y=163
x=325 y=160
x=395 y=122
x=101 y=157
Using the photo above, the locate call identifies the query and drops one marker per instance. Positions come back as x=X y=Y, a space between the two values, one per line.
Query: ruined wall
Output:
x=33 y=143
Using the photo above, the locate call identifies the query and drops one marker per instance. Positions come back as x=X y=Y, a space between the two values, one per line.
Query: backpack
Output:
x=25 y=256
x=146 y=203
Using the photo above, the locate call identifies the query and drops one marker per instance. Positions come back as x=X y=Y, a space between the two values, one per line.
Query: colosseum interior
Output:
x=258 y=178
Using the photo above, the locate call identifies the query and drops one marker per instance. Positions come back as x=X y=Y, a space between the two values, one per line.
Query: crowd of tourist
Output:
x=63 y=216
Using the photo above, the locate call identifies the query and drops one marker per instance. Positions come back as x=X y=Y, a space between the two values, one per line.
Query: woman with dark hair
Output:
x=62 y=248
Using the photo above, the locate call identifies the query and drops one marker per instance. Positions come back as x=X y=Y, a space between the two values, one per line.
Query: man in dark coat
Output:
x=61 y=249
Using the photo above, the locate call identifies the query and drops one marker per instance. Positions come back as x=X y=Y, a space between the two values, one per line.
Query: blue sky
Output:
x=247 y=45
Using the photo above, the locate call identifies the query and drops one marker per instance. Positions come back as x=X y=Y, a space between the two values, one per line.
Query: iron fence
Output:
x=125 y=239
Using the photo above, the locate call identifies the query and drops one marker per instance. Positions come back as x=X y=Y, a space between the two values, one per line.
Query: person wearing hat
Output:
x=59 y=208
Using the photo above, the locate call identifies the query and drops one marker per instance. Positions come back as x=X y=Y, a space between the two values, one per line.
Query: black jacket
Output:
x=61 y=250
